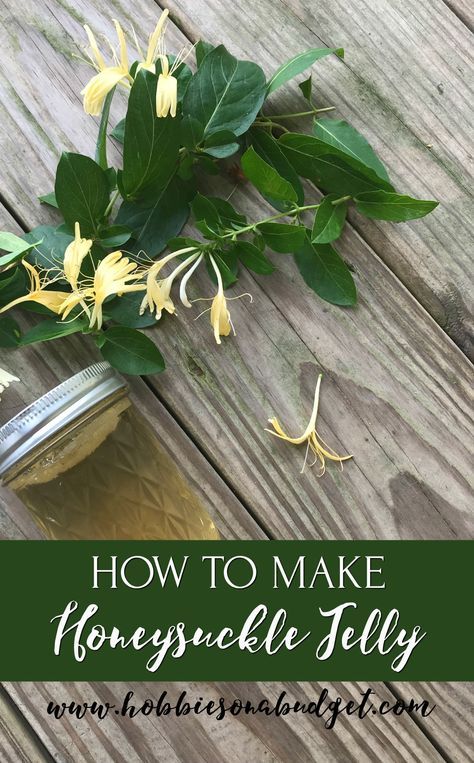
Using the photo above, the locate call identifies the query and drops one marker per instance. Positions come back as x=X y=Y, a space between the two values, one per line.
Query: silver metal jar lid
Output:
x=55 y=410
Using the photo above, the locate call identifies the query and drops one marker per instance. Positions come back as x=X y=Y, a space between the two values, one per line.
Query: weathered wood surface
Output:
x=451 y=723
x=18 y=742
x=198 y=740
x=464 y=9
x=396 y=389
x=405 y=83
x=167 y=739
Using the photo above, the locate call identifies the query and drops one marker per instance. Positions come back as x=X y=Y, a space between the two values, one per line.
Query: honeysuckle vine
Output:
x=119 y=260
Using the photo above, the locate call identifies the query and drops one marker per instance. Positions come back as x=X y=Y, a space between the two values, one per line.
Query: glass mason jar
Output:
x=87 y=465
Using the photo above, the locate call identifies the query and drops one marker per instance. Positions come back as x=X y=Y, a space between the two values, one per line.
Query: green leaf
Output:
x=191 y=132
x=207 y=165
x=150 y=150
x=228 y=216
x=225 y=93
x=114 y=236
x=51 y=244
x=111 y=174
x=266 y=178
x=207 y=231
x=268 y=148
x=131 y=352
x=203 y=209
x=253 y=258
x=338 y=133
x=125 y=310
x=82 y=192
x=326 y=273
x=48 y=198
x=298 y=64
x=10 y=332
x=306 y=87
x=202 y=49
x=221 y=144
x=154 y=223
x=329 y=220
x=16 y=248
x=9 y=242
x=380 y=205
x=228 y=267
x=328 y=167
x=12 y=285
x=182 y=242
x=119 y=131
x=52 y=329
x=282 y=237
x=101 y=144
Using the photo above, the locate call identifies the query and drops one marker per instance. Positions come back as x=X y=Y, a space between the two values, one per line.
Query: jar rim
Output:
x=56 y=409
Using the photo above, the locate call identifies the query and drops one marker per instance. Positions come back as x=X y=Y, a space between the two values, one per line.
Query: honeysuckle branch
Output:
x=295 y=211
x=302 y=113
x=111 y=203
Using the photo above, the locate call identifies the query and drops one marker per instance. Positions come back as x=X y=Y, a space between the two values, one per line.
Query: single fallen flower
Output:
x=314 y=441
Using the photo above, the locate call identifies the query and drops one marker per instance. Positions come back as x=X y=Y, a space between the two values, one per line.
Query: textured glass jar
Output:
x=88 y=466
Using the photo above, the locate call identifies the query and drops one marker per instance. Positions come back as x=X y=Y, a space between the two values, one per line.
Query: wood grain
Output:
x=451 y=722
x=405 y=84
x=464 y=10
x=18 y=742
x=396 y=390
x=190 y=739
x=199 y=739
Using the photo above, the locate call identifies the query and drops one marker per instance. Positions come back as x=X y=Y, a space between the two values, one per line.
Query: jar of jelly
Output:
x=87 y=465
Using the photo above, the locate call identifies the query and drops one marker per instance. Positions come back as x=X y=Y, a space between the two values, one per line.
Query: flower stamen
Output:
x=314 y=442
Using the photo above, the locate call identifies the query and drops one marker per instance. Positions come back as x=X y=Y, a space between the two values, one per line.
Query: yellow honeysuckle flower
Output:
x=157 y=297
x=38 y=293
x=108 y=77
x=220 y=316
x=320 y=449
x=149 y=60
x=167 y=88
x=74 y=255
x=112 y=276
x=6 y=379
x=77 y=297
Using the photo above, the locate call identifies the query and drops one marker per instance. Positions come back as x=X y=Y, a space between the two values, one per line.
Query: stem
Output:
x=266 y=122
x=101 y=145
x=111 y=203
x=341 y=200
x=302 y=113
x=288 y=213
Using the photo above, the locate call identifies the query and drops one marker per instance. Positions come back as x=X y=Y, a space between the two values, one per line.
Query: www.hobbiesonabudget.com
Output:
x=322 y=706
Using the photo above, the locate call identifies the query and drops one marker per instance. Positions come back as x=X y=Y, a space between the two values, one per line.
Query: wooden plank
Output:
x=396 y=391
x=405 y=84
x=191 y=364
x=199 y=739
x=464 y=10
x=451 y=723
x=18 y=742
x=39 y=372
x=88 y=740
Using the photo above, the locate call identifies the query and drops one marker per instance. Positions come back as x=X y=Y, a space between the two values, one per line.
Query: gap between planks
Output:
x=422 y=265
